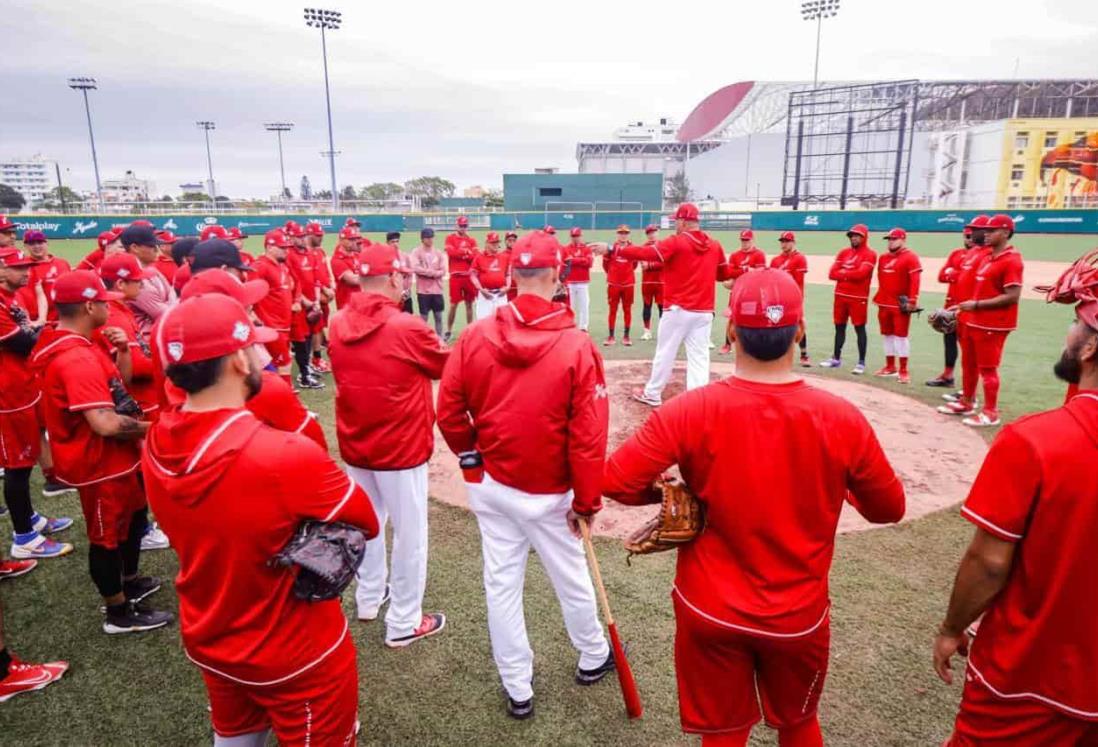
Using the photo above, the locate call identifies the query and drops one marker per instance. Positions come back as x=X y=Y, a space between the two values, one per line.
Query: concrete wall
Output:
x=739 y=169
x=531 y=192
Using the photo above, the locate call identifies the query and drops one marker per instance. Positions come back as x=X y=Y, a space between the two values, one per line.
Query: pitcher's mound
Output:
x=936 y=456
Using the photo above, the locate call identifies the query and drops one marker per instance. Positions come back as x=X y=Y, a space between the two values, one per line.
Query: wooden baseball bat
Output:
x=629 y=693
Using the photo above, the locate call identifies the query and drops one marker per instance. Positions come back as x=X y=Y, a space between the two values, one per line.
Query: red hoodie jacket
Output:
x=693 y=262
x=142 y=383
x=852 y=272
x=461 y=250
x=383 y=362
x=526 y=389
x=230 y=492
x=582 y=260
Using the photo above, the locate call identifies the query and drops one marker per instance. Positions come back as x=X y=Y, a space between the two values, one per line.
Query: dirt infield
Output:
x=936 y=457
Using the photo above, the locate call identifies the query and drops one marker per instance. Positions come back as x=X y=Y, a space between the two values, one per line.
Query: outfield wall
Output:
x=1027 y=221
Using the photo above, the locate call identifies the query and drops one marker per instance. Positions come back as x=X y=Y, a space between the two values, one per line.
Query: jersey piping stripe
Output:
x=339 y=506
x=280 y=680
x=27 y=406
x=981 y=520
x=213 y=437
x=1035 y=696
x=753 y=631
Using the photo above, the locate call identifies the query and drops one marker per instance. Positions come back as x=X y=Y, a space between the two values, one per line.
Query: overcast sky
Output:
x=465 y=90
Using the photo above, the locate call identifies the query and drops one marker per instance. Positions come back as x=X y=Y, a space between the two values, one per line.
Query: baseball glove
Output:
x=314 y=314
x=943 y=321
x=327 y=556
x=124 y=403
x=904 y=309
x=680 y=520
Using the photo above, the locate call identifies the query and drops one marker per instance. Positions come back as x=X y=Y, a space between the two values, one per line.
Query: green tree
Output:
x=287 y=194
x=10 y=199
x=678 y=189
x=165 y=198
x=324 y=194
x=194 y=198
x=58 y=198
x=348 y=193
x=381 y=191
x=493 y=198
x=429 y=189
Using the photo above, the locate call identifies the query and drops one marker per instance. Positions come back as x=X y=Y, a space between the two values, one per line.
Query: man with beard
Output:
x=1032 y=565
x=852 y=272
x=898 y=275
x=345 y=261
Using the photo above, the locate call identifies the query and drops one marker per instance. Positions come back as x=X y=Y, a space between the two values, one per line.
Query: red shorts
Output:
x=319 y=706
x=893 y=322
x=108 y=507
x=985 y=719
x=988 y=345
x=652 y=293
x=786 y=673
x=462 y=289
x=20 y=438
x=300 y=329
x=856 y=310
x=280 y=350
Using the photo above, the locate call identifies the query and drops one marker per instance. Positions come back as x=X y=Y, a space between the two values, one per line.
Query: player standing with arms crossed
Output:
x=747 y=257
x=578 y=282
x=898 y=275
x=1032 y=567
x=384 y=362
x=791 y=261
x=461 y=248
x=621 y=283
x=852 y=272
x=491 y=276
x=949 y=275
x=651 y=283
x=523 y=402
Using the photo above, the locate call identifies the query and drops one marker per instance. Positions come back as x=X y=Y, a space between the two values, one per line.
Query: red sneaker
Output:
x=428 y=626
x=904 y=377
x=887 y=371
x=16 y=568
x=627 y=342
x=321 y=365
x=725 y=349
x=25 y=678
x=608 y=342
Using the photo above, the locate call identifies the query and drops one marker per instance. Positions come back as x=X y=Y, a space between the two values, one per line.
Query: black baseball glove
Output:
x=327 y=557
x=124 y=403
x=905 y=309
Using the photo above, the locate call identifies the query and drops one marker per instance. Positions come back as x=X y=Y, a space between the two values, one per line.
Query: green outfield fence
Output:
x=1027 y=221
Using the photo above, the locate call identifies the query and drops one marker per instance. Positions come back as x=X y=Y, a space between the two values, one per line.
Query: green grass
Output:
x=889 y=587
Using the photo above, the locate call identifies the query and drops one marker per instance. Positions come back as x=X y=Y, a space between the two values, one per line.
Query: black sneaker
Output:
x=52 y=488
x=135 y=617
x=308 y=382
x=520 y=711
x=140 y=587
x=591 y=676
x=941 y=381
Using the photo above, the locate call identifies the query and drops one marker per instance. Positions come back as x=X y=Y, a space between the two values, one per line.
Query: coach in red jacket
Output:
x=852 y=272
x=383 y=362
x=524 y=391
x=750 y=594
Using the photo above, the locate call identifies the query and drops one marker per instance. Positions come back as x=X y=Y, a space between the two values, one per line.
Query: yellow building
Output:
x=1048 y=163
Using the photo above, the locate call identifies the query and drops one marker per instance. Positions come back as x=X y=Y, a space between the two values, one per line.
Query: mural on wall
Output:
x=1069 y=173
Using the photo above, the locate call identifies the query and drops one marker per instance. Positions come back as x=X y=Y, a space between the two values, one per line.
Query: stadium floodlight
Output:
x=84 y=85
x=207 y=126
x=817 y=10
x=278 y=128
x=327 y=20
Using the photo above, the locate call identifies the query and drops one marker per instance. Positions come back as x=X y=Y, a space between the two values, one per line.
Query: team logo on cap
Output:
x=123 y=273
x=240 y=332
x=396 y=264
x=774 y=314
x=89 y=293
x=364 y=268
x=175 y=350
x=525 y=258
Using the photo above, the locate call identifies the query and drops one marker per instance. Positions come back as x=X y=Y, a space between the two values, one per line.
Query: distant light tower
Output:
x=324 y=20
x=817 y=10
x=207 y=126
x=278 y=128
x=84 y=85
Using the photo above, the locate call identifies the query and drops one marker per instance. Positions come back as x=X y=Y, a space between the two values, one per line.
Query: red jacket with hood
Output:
x=693 y=262
x=230 y=492
x=526 y=389
x=852 y=271
x=383 y=362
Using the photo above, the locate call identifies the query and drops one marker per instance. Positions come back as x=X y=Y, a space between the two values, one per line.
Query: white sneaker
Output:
x=983 y=420
x=831 y=363
x=858 y=370
x=366 y=614
x=640 y=396
x=647 y=335
x=155 y=539
x=712 y=345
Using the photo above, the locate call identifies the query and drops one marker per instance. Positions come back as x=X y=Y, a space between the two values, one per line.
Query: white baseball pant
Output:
x=678 y=326
x=579 y=296
x=399 y=496
x=511 y=522
x=485 y=307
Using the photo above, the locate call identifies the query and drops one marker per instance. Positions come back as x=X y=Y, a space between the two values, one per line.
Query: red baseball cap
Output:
x=577 y=231
x=6 y=223
x=143 y=222
x=787 y=236
x=123 y=266
x=549 y=230
x=492 y=238
x=1000 y=221
x=349 y=232
x=33 y=237
x=896 y=233
x=1087 y=312
x=624 y=229
x=13 y=256
x=213 y=232
x=968 y=231
x=859 y=229
x=766 y=298
x=234 y=233
x=79 y=286
x=536 y=250
x=312 y=228
x=510 y=235
x=108 y=237
x=352 y=221
x=652 y=228
x=980 y=221
x=747 y=234
x=293 y=229
x=219 y=281
x=379 y=259
x=687 y=211
x=166 y=237
x=207 y=327
x=462 y=221
x=277 y=237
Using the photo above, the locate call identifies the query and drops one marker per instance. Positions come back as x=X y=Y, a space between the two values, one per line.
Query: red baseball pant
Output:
x=855 y=310
x=20 y=438
x=620 y=294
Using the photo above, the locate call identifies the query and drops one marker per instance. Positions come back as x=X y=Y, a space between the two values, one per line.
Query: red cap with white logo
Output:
x=747 y=234
x=379 y=259
x=12 y=256
x=766 y=298
x=896 y=233
x=1004 y=222
x=207 y=327
x=216 y=280
x=787 y=236
x=576 y=232
x=123 y=266
x=462 y=221
x=293 y=229
x=687 y=211
x=79 y=286
x=349 y=233
x=277 y=237
x=492 y=238
x=314 y=229
x=536 y=250
x=652 y=228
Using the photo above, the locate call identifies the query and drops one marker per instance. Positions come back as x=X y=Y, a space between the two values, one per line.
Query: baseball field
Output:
x=889 y=586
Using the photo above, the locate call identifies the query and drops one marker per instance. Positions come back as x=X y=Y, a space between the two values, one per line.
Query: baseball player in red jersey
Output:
x=491 y=276
x=461 y=248
x=345 y=261
x=96 y=449
x=750 y=592
x=523 y=402
x=384 y=362
x=270 y=661
x=106 y=243
x=165 y=263
x=791 y=261
x=651 y=283
x=949 y=275
x=963 y=290
x=621 y=283
x=20 y=395
x=578 y=282
x=237 y=236
x=276 y=309
x=990 y=315
x=43 y=274
x=1031 y=569
x=308 y=318
x=314 y=243
x=509 y=240
x=122 y=274
x=852 y=272
x=748 y=257
x=898 y=275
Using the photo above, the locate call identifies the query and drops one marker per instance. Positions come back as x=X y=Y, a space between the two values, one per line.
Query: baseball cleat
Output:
x=952 y=396
x=366 y=614
x=886 y=372
x=627 y=342
x=608 y=342
x=957 y=408
x=138 y=588
x=52 y=488
x=39 y=548
x=321 y=366
x=135 y=617
x=858 y=370
x=591 y=676
x=647 y=335
x=904 y=377
x=983 y=420
x=26 y=678
x=806 y=362
x=16 y=568
x=644 y=399
x=941 y=381
x=431 y=624
x=520 y=710
x=309 y=382
x=831 y=363
x=154 y=538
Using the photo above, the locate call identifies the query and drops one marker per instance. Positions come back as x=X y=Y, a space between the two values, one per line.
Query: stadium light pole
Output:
x=207 y=126
x=817 y=10
x=278 y=128
x=325 y=20
x=84 y=85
